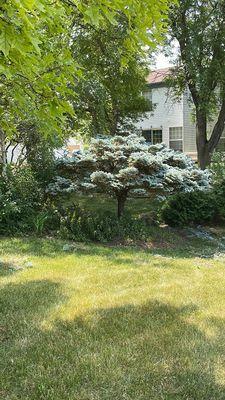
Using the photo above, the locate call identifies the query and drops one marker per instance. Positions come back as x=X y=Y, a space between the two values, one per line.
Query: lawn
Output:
x=108 y=323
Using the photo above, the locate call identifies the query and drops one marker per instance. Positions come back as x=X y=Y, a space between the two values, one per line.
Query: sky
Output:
x=162 y=61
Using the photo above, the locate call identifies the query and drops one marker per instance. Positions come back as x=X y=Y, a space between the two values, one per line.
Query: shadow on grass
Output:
x=129 y=352
x=49 y=247
x=52 y=247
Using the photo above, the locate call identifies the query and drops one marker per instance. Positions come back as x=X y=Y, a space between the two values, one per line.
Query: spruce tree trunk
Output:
x=121 y=199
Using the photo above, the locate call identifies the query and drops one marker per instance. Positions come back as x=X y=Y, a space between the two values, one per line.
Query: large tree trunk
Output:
x=218 y=129
x=204 y=155
x=121 y=199
x=3 y=156
x=206 y=147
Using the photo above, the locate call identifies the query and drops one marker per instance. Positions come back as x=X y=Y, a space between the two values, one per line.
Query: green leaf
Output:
x=5 y=43
x=93 y=15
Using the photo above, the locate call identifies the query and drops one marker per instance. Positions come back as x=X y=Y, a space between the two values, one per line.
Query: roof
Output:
x=159 y=75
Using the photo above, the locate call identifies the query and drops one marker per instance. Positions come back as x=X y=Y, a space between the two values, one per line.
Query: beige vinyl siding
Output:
x=189 y=127
x=166 y=112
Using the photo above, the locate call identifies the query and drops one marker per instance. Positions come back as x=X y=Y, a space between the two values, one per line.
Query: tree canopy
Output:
x=36 y=64
x=109 y=95
x=199 y=28
x=126 y=165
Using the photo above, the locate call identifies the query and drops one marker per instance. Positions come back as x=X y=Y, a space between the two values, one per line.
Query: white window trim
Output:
x=153 y=129
x=177 y=140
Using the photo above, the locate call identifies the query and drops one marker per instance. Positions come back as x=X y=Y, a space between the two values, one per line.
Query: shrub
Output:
x=218 y=172
x=218 y=167
x=200 y=207
x=20 y=199
x=78 y=224
x=219 y=201
x=190 y=208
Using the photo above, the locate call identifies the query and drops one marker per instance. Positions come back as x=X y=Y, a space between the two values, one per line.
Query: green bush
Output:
x=200 y=207
x=190 y=208
x=219 y=201
x=218 y=168
x=20 y=200
x=78 y=224
x=218 y=172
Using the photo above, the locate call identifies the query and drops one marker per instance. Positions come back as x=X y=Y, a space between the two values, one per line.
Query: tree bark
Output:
x=218 y=128
x=201 y=140
x=121 y=199
x=206 y=147
x=3 y=156
x=204 y=156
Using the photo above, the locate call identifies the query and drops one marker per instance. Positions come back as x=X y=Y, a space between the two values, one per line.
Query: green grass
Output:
x=111 y=323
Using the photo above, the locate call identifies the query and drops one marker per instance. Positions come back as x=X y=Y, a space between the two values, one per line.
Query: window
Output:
x=147 y=94
x=176 y=138
x=152 y=136
x=147 y=135
x=156 y=136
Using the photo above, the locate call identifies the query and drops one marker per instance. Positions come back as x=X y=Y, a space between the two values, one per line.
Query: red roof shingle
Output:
x=159 y=75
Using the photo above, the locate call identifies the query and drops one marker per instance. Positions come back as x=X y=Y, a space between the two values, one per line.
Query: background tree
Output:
x=38 y=151
x=199 y=28
x=35 y=67
x=122 y=166
x=36 y=64
x=109 y=95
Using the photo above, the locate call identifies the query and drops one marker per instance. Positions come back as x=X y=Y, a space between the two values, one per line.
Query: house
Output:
x=172 y=120
x=17 y=153
x=71 y=146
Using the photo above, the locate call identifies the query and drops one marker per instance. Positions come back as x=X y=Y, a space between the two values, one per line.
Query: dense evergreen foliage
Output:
x=127 y=165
